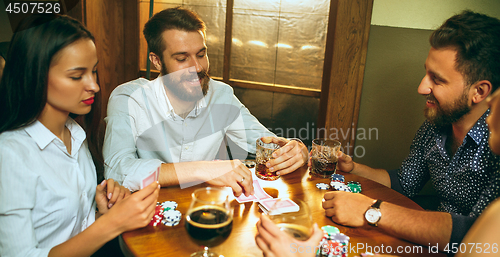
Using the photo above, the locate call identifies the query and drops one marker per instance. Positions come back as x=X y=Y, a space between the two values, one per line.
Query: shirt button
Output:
x=187 y=147
x=84 y=194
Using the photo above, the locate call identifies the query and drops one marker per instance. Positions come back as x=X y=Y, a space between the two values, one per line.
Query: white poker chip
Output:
x=344 y=188
x=335 y=184
x=171 y=224
x=171 y=217
x=323 y=186
x=169 y=205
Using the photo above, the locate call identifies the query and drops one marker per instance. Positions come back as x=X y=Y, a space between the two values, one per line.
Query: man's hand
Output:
x=275 y=243
x=239 y=178
x=108 y=193
x=346 y=208
x=344 y=163
x=291 y=156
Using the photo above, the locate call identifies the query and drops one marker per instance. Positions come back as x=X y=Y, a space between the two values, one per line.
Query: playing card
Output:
x=278 y=206
x=243 y=199
x=259 y=194
x=150 y=178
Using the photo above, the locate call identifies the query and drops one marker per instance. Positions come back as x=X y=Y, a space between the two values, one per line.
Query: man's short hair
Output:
x=172 y=18
x=476 y=38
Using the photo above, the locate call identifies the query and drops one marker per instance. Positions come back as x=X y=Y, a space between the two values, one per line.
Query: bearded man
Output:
x=450 y=148
x=180 y=122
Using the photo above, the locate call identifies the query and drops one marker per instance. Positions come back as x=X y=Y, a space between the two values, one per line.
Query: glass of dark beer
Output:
x=263 y=154
x=209 y=219
x=324 y=157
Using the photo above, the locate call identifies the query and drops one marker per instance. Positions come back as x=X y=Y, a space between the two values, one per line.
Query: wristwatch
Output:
x=373 y=214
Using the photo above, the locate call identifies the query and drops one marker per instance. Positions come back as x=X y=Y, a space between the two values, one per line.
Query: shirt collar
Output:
x=476 y=133
x=480 y=129
x=43 y=136
x=160 y=89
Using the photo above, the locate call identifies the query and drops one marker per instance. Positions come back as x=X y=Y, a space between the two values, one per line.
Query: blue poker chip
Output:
x=337 y=177
x=323 y=186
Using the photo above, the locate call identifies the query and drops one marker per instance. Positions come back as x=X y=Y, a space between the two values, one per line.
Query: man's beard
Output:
x=175 y=83
x=444 y=116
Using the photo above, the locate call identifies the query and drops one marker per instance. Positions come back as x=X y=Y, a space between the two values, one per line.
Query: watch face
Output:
x=372 y=215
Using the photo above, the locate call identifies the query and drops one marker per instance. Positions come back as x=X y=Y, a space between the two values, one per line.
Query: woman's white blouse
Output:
x=46 y=194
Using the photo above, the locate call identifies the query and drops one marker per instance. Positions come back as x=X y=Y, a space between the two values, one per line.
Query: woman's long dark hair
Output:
x=23 y=88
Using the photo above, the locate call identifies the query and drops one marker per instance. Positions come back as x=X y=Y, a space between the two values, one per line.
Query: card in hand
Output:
x=259 y=195
x=278 y=206
x=150 y=178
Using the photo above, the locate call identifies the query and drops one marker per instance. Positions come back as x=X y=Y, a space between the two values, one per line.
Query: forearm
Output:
x=193 y=172
x=378 y=175
x=422 y=227
x=88 y=241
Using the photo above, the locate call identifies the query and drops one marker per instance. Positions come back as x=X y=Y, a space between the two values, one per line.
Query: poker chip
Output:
x=333 y=243
x=337 y=177
x=171 y=218
x=157 y=217
x=342 y=187
x=323 y=186
x=334 y=184
x=166 y=214
x=169 y=205
x=354 y=186
x=330 y=230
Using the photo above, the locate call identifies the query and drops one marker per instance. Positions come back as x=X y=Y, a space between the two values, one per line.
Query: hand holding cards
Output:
x=259 y=194
x=152 y=177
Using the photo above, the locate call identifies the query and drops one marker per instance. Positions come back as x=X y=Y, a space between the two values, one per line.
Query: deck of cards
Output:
x=152 y=177
x=278 y=206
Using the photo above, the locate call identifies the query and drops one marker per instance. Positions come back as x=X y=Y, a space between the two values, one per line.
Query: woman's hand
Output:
x=136 y=210
x=108 y=193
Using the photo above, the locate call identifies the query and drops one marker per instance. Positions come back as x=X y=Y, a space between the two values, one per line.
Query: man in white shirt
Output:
x=180 y=121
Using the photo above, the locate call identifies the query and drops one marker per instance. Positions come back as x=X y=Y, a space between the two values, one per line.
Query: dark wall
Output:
x=389 y=101
x=285 y=115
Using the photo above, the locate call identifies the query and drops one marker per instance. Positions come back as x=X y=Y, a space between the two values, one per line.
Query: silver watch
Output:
x=373 y=214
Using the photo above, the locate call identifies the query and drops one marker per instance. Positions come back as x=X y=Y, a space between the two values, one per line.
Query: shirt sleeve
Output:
x=395 y=183
x=120 y=149
x=462 y=223
x=414 y=173
x=17 y=198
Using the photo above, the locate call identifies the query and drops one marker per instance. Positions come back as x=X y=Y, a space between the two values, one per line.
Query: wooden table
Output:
x=174 y=241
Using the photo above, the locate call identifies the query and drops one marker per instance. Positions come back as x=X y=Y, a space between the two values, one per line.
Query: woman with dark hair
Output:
x=48 y=176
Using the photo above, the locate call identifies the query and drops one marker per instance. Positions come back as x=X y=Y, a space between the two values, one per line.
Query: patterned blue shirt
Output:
x=465 y=183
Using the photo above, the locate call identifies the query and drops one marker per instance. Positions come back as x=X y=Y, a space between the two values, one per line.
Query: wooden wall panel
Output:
x=115 y=28
x=345 y=59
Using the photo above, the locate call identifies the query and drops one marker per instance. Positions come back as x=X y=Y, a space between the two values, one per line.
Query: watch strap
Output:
x=377 y=204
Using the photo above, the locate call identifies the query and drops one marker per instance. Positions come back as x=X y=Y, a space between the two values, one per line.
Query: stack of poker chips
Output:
x=333 y=243
x=354 y=186
x=171 y=216
x=167 y=214
x=338 y=183
x=158 y=216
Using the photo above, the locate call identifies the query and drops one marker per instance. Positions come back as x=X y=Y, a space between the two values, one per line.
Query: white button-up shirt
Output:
x=46 y=194
x=143 y=130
